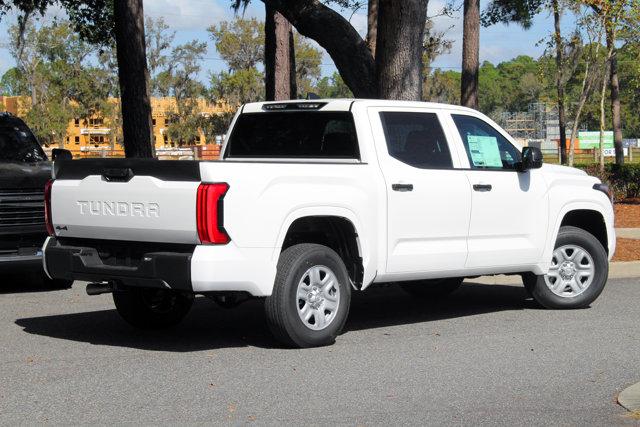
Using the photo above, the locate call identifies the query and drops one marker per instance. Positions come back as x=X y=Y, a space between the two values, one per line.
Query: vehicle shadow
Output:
x=390 y=306
x=210 y=327
x=27 y=278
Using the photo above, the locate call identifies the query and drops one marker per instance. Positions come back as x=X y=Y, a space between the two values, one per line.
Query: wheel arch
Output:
x=339 y=231
x=588 y=220
x=589 y=216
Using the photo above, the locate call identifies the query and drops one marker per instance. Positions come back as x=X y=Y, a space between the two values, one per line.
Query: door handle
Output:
x=482 y=187
x=402 y=187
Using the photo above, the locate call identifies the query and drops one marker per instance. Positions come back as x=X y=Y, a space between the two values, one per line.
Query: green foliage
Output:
x=623 y=180
x=513 y=85
x=13 y=83
x=49 y=121
x=215 y=124
x=52 y=69
x=626 y=178
x=92 y=20
x=308 y=60
x=506 y=11
x=333 y=87
x=629 y=72
x=510 y=86
x=238 y=87
x=239 y=42
x=435 y=42
x=158 y=40
x=442 y=86
x=181 y=82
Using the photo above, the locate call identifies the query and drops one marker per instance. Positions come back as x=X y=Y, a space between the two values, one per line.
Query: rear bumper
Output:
x=197 y=269
x=80 y=261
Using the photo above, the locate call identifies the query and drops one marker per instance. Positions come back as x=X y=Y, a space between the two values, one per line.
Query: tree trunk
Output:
x=562 y=144
x=614 y=87
x=470 y=54
x=584 y=95
x=399 y=48
x=338 y=37
x=34 y=95
x=372 y=26
x=133 y=76
x=602 y=115
x=293 y=82
x=277 y=52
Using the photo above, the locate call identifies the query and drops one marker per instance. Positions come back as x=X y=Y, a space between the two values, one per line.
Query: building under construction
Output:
x=539 y=123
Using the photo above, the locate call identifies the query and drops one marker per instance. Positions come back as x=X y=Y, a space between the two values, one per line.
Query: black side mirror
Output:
x=531 y=158
x=61 y=154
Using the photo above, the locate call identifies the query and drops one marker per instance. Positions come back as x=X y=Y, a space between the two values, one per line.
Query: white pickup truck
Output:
x=313 y=200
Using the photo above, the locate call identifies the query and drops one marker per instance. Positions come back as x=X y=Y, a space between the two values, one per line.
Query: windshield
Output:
x=294 y=134
x=17 y=144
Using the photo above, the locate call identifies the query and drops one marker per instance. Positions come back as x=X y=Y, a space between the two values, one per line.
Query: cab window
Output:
x=294 y=134
x=486 y=147
x=416 y=139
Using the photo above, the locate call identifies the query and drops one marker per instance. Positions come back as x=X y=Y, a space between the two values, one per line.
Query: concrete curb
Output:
x=629 y=398
x=617 y=270
x=624 y=269
x=628 y=233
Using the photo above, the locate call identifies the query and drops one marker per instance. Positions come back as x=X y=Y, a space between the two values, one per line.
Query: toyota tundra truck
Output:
x=314 y=200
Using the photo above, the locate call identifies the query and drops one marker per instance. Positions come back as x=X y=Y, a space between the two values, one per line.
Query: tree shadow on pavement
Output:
x=210 y=327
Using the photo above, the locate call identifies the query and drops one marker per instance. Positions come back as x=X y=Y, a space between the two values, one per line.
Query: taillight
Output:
x=48 y=220
x=209 y=213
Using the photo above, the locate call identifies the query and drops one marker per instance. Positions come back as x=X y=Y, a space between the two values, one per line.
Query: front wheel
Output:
x=311 y=296
x=148 y=308
x=578 y=272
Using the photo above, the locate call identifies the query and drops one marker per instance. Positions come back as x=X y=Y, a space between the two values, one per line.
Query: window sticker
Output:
x=484 y=151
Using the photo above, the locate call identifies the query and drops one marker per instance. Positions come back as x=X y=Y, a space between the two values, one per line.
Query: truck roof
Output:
x=343 y=104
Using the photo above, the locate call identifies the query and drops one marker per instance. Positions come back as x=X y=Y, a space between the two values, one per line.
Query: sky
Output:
x=190 y=19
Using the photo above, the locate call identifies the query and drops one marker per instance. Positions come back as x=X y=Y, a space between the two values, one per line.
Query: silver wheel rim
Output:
x=318 y=297
x=571 y=272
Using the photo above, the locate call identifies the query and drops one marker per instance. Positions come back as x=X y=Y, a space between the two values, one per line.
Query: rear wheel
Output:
x=432 y=288
x=311 y=296
x=578 y=272
x=148 y=308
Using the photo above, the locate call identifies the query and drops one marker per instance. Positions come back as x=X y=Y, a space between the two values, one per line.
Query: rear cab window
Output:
x=294 y=134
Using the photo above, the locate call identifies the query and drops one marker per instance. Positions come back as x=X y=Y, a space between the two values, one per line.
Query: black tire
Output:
x=56 y=284
x=148 y=308
x=538 y=289
x=282 y=306
x=435 y=288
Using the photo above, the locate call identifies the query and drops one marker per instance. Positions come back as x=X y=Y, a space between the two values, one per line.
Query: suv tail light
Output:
x=209 y=213
x=48 y=220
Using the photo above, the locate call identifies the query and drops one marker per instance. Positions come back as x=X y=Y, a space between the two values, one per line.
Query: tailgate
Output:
x=126 y=199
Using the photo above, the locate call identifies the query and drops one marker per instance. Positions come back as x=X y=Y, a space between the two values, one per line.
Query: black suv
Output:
x=24 y=171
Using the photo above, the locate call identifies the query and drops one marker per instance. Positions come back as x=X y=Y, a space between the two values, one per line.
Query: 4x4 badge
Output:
x=61 y=228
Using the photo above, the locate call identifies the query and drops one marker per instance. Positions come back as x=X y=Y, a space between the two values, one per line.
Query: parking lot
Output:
x=484 y=354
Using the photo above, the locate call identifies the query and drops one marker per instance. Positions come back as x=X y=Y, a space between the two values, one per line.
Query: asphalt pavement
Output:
x=486 y=354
